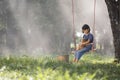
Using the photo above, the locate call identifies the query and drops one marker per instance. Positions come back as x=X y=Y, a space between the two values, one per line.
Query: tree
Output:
x=114 y=14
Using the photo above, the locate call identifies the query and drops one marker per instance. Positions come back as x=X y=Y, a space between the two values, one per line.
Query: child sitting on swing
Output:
x=86 y=43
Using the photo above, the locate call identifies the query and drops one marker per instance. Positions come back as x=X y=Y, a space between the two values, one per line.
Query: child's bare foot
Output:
x=74 y=60
x=77 y=60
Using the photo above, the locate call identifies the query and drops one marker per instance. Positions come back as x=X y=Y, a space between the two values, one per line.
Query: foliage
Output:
x=90 y=67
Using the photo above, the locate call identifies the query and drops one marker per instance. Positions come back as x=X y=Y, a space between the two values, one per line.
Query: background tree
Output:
x=114 y=13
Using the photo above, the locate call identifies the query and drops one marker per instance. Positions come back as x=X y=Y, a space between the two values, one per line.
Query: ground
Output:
x=92 y=66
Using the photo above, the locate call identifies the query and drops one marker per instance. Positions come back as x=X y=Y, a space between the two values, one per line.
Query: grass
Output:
x=90 y=67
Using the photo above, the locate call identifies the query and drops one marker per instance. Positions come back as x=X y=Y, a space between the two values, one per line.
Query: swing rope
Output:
x=73 y=23
x=94 y=42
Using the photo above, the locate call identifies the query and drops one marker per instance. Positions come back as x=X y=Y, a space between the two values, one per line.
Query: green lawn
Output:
x=90 y=67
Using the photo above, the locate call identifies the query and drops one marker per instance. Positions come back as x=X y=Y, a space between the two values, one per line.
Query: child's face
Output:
x=86 y=31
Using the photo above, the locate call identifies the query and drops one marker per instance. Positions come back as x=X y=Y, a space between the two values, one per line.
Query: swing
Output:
x=73 y=25
x=65 y=58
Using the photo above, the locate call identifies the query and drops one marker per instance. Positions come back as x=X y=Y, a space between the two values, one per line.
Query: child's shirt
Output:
x=88 y=37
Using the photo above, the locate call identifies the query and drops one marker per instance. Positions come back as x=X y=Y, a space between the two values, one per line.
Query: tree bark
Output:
x=114 y=14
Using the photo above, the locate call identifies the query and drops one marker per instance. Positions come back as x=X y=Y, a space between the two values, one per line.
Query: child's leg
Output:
x=80 y=53
x=75 y=54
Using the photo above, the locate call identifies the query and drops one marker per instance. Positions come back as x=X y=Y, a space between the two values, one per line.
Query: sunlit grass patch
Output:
x=97 y=58
x=90 y=67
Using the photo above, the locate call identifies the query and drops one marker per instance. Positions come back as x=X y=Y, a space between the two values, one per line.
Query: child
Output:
x=86 y=43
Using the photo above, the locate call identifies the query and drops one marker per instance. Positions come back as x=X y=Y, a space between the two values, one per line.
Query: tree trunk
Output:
x=114 y=13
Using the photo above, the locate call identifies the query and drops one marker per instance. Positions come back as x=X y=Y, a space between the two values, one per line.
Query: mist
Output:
x=41 y=27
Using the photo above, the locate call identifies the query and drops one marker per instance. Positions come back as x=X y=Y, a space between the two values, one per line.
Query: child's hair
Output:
x=85 y=26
